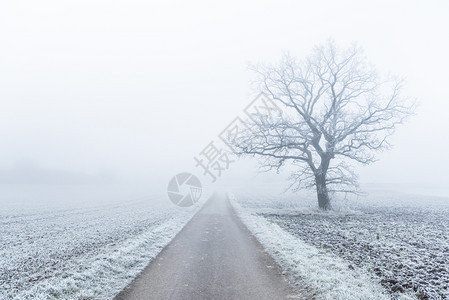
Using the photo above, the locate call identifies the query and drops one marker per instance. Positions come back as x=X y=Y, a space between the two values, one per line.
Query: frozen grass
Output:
x=322 y=274
x=407 y=249
x=400 y=240
x=86 y=251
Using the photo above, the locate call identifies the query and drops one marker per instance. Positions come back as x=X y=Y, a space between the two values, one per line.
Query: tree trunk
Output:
x=322 y=192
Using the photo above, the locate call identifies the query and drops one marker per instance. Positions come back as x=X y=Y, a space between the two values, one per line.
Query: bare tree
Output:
x=334 y=109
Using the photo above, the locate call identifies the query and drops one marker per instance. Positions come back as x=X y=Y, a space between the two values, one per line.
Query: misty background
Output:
x=109 y=92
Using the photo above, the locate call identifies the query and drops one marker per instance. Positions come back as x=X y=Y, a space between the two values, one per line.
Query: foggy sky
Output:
x=137 y=88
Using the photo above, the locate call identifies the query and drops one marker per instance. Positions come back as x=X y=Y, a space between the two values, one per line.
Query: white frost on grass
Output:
x=86 y=249
x=399 y=238
x=105 y=275
x=328 y=276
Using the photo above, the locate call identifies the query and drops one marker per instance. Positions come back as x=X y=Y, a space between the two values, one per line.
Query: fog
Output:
x=111 y=91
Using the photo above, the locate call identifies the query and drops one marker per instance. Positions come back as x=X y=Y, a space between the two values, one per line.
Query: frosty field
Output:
x=80 y=242
x=400 y=241
x=89 y=242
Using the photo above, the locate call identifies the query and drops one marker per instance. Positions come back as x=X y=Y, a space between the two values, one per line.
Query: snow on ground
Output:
x=90 y=249
x=400 y=241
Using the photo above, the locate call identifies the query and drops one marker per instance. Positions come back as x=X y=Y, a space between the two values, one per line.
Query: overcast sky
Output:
x=137 y=88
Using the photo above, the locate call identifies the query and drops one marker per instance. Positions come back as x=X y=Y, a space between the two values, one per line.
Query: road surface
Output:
x=213 y=257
